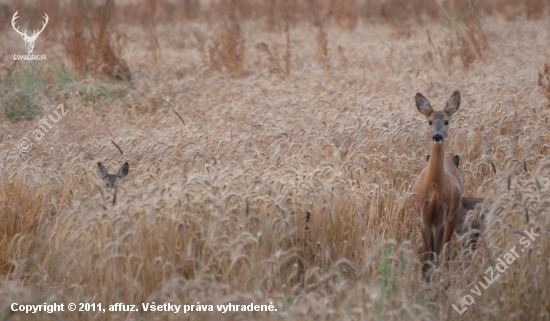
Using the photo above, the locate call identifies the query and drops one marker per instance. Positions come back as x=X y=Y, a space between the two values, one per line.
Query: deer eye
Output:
x=446 y=122
x=429 y=122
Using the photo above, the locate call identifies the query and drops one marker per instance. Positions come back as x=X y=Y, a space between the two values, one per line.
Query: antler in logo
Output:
x=29 y=41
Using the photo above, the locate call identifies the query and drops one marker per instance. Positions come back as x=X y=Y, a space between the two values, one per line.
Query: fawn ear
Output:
x=423 y=105
x=102 y=170
x=123 y=171
x=456 y=160
x=452 y=104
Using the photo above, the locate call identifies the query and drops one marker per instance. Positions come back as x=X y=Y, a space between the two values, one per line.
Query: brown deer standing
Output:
x=437 y=194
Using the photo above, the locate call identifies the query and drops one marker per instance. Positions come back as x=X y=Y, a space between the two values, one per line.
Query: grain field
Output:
x=272 y=147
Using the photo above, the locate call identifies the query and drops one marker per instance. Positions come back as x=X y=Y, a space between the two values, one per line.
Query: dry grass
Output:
x=323 y=54
x=92 y=45
x=284 y=181
x=544 y=80
x=227 y=50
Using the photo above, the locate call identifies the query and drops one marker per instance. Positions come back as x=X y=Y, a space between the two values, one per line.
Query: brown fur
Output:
x=437 y=193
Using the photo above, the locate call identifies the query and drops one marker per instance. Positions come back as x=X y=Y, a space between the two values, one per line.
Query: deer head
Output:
x=111 y=180
x=438 y=120
x=29 y=41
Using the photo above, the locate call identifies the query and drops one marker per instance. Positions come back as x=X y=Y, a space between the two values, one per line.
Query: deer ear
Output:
x=452 y=104
x=123 y=171
x=423 y=105
x=102 y=170
x=456 y=160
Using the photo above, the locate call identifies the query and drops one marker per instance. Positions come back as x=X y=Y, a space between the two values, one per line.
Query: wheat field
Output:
x=271 y=158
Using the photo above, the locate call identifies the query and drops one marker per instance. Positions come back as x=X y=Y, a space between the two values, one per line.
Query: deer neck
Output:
x=436 y=165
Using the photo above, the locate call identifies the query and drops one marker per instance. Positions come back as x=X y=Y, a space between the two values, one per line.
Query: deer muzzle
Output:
x=438 y=138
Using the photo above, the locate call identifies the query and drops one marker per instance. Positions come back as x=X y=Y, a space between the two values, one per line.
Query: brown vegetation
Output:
x=544 y=81
x=272 y=157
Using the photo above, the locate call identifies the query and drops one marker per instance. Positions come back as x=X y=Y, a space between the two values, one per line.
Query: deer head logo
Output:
x=29 y=41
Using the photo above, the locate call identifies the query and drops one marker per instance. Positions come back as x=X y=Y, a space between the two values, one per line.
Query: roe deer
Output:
x=468 y=204
x=455 y=159
x=111 y=180
x=437 y=193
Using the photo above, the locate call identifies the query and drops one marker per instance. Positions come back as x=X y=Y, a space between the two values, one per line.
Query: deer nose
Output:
x=438 y=138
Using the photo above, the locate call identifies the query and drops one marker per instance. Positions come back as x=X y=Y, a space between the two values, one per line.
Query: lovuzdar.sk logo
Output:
x=29 y=40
